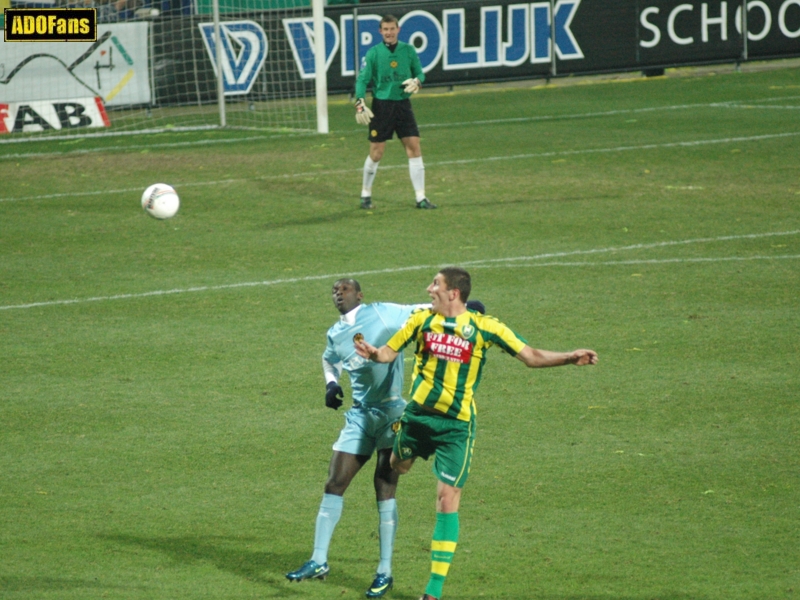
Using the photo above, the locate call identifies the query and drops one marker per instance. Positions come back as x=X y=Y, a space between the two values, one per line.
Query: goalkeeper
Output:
x=394 y=71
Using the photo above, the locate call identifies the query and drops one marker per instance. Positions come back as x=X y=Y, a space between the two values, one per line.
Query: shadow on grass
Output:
x=9 y=584
x=229 y=554
x=323 y=219
x=268 y=569
x=610 y=596
x=392 y=207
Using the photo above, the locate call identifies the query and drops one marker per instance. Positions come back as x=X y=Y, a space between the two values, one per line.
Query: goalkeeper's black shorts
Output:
x=392 y=116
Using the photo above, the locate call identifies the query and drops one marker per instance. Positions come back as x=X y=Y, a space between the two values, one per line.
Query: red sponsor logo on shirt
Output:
x=447 y=346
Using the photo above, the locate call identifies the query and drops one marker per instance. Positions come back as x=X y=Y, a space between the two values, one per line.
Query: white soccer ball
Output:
x=161 y=201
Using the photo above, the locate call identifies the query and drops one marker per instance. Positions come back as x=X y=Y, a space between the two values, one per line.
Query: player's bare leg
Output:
x=402 y=466
x=385 y=477
x=448 y=498
x=341 y=471
x=412 y=146
x=376 y=150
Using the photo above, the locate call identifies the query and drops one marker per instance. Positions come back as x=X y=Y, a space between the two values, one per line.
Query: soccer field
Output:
x=163 y=431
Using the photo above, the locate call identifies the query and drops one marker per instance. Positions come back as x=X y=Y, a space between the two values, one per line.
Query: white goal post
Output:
x=320 y=70
x=172 y=65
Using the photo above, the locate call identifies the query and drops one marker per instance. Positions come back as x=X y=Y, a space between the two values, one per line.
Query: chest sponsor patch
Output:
x=447 y=346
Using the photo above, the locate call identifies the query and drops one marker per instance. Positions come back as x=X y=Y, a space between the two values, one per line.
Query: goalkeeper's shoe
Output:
x=425 y=203
x=366 y=202
x=309 y=570
x=427 y=597
x=381 y=585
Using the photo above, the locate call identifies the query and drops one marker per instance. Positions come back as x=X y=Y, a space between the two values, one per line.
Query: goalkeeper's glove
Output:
x=363 y=113
x=477 y=306
x=333 y=395
x=411 y=86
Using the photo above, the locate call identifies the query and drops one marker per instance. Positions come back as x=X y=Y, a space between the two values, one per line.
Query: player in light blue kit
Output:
x=377 y=406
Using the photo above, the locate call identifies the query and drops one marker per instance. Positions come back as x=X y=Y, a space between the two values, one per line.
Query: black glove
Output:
x=333 y=395
x=477 y=306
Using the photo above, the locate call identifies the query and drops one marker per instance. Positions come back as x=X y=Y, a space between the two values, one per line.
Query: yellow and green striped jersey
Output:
x=450 y=354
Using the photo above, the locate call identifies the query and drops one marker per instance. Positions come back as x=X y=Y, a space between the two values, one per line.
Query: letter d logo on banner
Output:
x=244 y=50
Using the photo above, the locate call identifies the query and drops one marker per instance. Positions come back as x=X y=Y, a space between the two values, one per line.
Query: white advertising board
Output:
x=41 y=115
x=115 y=68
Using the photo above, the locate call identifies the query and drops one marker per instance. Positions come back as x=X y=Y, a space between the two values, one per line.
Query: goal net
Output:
x=157 y=66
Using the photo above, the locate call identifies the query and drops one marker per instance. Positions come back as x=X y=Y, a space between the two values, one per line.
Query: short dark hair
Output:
x=457 y=278
x=389 y=19
x=349 y=280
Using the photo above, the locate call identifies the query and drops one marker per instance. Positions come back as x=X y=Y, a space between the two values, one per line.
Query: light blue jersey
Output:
x=373 y=384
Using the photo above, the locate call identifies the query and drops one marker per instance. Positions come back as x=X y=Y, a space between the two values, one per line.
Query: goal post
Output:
x=320 y=70
x=173 y=65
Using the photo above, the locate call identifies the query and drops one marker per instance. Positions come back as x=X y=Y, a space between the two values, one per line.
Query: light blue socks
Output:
x=387 y=528
x=330 y=509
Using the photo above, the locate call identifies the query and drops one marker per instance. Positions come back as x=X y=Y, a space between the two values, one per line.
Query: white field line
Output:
x=689 y=144
x=726 y=238
x=773 y=99
x=134 y=147
x=653 y=261
x=607 y=113
x=486 y=263
x=761 y=107
x=465 y=161
x=588 y=115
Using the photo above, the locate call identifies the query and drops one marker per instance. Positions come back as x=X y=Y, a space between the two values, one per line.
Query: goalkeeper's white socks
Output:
x=370 y=170
x=417 y=171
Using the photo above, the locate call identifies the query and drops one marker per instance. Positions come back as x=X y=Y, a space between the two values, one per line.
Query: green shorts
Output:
x=422 y=434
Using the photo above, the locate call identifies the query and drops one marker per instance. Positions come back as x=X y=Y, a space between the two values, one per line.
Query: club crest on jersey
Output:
x=393 y=64
x=467 y=331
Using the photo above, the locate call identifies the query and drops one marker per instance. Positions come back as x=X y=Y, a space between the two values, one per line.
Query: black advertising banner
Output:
x=467 y=41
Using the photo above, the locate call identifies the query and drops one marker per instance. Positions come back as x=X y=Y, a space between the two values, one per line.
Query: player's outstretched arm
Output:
x=384 y=354
x=545 y=358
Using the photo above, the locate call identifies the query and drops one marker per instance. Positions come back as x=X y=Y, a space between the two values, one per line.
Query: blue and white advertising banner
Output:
x=470 y=41
x=244 y=50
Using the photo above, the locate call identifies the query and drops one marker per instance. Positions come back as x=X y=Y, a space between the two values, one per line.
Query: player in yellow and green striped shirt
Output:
x=451 y=344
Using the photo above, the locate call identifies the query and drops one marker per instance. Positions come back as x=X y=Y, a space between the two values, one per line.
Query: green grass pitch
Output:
x=163 y=433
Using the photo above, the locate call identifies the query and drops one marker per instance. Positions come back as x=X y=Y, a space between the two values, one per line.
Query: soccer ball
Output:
x=160 y=201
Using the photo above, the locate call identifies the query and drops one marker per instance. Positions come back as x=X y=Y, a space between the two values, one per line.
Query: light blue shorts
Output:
x=369 y=429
